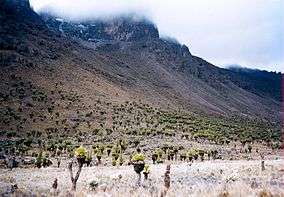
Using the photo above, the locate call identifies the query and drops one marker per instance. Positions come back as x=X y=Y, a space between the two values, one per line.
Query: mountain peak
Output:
x=120 y=28
x=16 y=5
x=18 y=11
x=127 y=28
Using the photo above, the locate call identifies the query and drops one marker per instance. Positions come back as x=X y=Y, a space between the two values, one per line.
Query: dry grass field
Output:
x=208 y=178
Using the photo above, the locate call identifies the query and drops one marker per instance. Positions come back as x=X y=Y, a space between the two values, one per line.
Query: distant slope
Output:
x=262 y=83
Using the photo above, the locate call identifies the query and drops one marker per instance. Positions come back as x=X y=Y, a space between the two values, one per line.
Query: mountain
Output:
x=124 y=28
x=259 y=82
x=191 y=76
x=114 y=77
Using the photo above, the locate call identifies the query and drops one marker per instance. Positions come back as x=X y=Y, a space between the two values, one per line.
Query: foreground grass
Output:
x=209 y=178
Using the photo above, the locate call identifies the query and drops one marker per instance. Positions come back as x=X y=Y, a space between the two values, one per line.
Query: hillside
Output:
x=197 y=83
x=95 y=81
x=260 y=82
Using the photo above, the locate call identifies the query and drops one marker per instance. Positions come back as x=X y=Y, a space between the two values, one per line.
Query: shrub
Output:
x=138 y=157
x=136 y=142
x=201 y=154
x=120 y=160
x=45 y=160
x=249 y=148
x=183 y=156
x=81 y=152
x=146 y=169
x=276 y=145
x=116 y=150
x=193 y=153
x=113 y=161
x=154 y=157
x=28 y=141
x=42 y=160
x=159 y=152
x=11 y=134
x=39 y=160
x=108 y=151
x=89 y=158
x=81 y=155
x=69 y=148
x=123 y=144
x=214 y=154
x=51 y=146
x=93 y=185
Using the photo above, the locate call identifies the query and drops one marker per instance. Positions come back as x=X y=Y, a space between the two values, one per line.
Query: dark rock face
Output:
x=169 y=50
x=260 y=82
x=114 y=33
x=119 y=29
x=185 y=51
x=19 y=4
x=19 y=9
x=131 y=31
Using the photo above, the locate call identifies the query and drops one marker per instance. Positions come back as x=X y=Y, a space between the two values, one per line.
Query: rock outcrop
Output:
x=119 y=29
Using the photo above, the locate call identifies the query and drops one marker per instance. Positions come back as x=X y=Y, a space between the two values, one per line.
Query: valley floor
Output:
x=208 y=178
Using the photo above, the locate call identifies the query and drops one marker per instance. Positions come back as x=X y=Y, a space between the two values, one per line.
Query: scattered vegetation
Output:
x=48 y=124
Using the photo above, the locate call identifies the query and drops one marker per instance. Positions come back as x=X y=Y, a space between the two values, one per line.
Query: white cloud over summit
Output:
x=245 y=32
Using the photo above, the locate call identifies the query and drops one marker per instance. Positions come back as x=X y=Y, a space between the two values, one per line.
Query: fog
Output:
x=248 y=33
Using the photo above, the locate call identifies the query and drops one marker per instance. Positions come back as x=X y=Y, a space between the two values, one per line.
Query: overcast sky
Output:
x=245 y=32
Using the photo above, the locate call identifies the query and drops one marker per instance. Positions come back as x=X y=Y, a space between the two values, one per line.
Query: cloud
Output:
x=223 y=32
